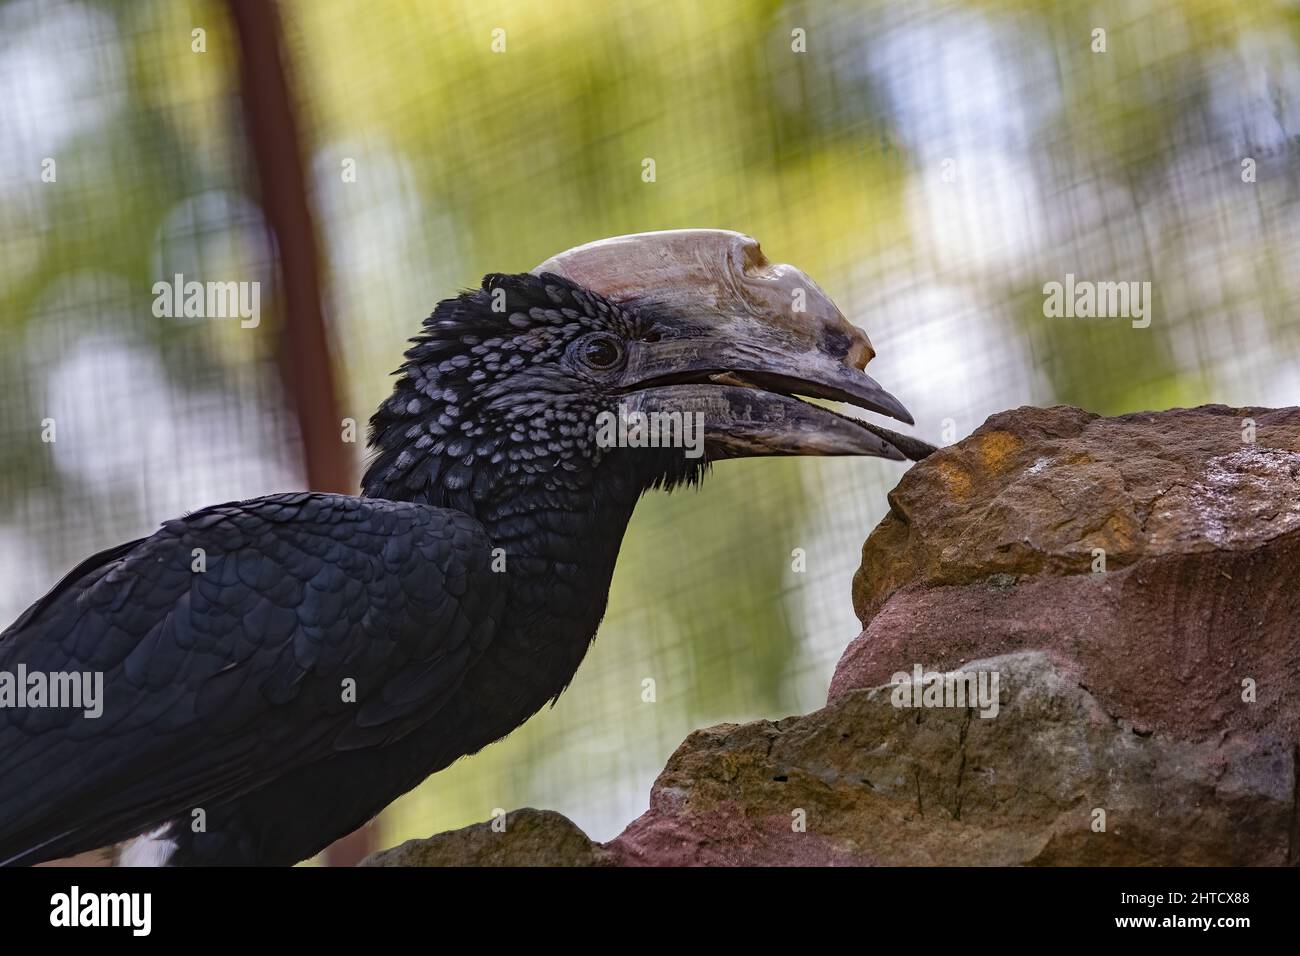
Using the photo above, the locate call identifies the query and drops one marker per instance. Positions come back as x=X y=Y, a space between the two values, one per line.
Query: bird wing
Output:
x=237 y=643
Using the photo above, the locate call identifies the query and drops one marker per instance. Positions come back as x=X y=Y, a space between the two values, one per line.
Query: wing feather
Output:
x=218 y=680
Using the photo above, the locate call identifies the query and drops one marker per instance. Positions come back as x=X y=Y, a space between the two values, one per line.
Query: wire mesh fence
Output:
x=935 y=166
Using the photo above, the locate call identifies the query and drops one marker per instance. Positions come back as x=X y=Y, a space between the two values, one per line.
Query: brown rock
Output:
x=878 y=784
x=1035 y=490
x=1201 y=534
x=530 y=838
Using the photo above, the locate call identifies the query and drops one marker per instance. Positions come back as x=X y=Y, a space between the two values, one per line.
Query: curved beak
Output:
x=741 y=338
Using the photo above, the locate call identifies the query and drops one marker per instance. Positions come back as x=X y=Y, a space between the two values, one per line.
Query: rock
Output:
x=878 y=784
x=530 y=838
x=989 y=548
x=1148 y=713
x=1036 y=490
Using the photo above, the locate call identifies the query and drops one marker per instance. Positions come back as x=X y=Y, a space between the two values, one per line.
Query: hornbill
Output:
x=329 y=652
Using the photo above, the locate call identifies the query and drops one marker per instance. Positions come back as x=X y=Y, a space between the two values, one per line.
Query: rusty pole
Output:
x=302 y=347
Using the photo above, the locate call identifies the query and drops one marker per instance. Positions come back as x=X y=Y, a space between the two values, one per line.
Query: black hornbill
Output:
x=330 y=652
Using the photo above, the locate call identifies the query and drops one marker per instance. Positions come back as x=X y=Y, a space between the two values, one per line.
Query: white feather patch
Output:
x=149 y=849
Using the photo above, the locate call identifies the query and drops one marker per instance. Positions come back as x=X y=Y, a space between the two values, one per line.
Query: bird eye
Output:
x=601 y=351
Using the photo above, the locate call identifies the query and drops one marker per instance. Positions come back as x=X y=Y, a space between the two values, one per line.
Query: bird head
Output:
x=652 y=354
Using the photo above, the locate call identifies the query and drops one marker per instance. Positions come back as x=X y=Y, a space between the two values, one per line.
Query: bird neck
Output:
x=555 y=539
x=558 y=542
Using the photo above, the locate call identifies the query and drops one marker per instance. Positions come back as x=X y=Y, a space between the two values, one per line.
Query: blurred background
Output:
x=931 y=163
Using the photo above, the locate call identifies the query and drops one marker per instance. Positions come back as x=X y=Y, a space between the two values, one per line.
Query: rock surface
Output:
x=992 y=546
x=529 y=838
x=1147 y=713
